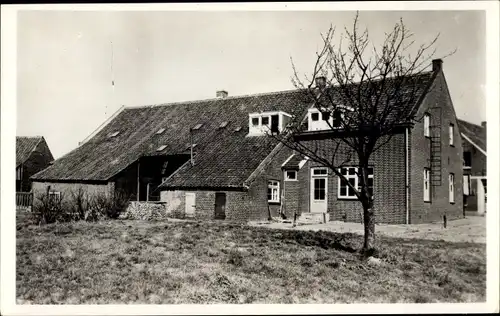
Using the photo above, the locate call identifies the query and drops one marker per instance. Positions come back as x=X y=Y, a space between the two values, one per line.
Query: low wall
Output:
x=145 y=211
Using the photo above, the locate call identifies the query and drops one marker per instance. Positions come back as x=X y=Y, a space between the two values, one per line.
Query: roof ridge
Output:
x=468 y=122
x=212 y=99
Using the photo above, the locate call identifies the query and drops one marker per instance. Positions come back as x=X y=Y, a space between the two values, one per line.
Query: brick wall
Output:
x=451 y=159
x=389 y=184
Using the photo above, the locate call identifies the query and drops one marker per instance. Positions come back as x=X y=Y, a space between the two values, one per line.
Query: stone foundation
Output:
x=146 y=211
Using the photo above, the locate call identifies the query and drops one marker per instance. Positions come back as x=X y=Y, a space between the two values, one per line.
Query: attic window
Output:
x=237 y=129
x=162 y=147
x=161 y=130
x=197 y=126
x=223 y=124
x=113 y=134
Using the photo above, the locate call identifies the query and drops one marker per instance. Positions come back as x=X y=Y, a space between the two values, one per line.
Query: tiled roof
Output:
x=474 y=132
x=24 y=147
x=293 y=162
x=222 y=154
x=224 y=157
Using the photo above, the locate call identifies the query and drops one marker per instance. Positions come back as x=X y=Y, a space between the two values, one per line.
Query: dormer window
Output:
x=223 y=124
x=110 y=135
x=267 y=122
x=197 y=126
x=325 y=119
x=160 y=131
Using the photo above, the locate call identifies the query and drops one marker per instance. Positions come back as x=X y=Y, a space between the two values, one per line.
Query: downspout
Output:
x=407 y=181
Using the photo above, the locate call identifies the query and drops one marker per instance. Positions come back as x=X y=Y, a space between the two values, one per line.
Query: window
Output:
x=291 y=175
x=466 y=184
x=237 y=129
x=314 y=116
x=427 y=125
x=427 y=188
x=467 y=159
x=350 y=173
x=160 y=131
x=325 y=116
x=451 y=181
x=451 y=131
x=319 y=189
x=273 y=189
x=337 y=118
x=162 y=147
x=54 y=197
x=197 y=126
x=320 y=171
x=265 y=120
x=223 y=124
x=113 y=134
x=255 y=121
x=18 y=173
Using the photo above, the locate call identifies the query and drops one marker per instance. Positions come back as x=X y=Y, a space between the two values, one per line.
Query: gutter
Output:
x=407 y=176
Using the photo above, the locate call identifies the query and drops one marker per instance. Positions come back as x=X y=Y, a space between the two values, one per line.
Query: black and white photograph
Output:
x=200 y=158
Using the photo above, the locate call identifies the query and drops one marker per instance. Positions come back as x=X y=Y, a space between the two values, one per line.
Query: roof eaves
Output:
x=473 y=143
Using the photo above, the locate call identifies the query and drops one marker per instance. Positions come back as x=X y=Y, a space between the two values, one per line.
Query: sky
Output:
x=66 y=62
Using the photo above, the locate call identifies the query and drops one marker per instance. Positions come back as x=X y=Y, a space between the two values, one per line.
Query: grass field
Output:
x=208 y=262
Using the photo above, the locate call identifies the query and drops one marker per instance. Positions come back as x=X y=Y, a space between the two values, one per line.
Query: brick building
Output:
x=213 y=159
x=32 y=155
x=474 y=165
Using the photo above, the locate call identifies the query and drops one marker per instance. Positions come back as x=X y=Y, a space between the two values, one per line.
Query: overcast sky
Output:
x=64 y=86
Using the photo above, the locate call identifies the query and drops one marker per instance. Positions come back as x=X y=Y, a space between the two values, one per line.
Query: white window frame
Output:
x=451 y=186
x=451 y=131
x=466 y=184
x=427 y=185
x=274 y=185
x=287 y=178
x=356 y=182
x=55 y=194
x=19 y=173
x=427 y=125
x=259 y=129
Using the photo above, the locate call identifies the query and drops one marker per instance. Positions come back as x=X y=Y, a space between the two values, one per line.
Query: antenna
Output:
x=112 y=80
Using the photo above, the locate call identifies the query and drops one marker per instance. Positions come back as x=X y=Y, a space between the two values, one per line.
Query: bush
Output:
x=49 y=209
x=79 y=204
x=102 y=205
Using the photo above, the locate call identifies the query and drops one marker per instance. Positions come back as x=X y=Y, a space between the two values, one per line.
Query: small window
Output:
x=197 y=126
x=427 y=125
x=320 y=171
x=54 y=196
x=273 y=189
x=427 y=185
x=162 y=147
x=467 y=159
x=291 y=175
x=325 y=116
x=265 y=120
x=223 y=124
x=451 y=131
x=337 y=118
x=466 y=182
x=160 y=131
x=255 y=121
x=451 y=181
x=113 y=134
x=18 y=173
x=237 y=129
x=314 y=116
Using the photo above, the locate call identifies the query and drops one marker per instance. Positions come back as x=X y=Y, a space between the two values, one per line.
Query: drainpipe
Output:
x=407 y=184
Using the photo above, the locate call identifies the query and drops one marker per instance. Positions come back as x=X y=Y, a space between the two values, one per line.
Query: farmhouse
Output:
x=474 y=165
x=32 y=155
x=214 y=159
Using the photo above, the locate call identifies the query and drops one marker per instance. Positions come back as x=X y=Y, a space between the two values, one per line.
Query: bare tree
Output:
x=364 y=93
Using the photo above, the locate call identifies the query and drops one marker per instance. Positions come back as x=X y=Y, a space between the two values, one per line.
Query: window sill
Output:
x=466 y=167
x=343 y=198
x=291 y=180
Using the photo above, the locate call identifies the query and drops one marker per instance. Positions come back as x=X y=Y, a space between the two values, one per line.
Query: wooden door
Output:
x=220 y=205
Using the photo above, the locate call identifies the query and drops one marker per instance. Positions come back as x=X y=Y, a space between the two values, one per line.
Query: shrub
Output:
x=102 y=205
x=49 y=209
x=79 y=204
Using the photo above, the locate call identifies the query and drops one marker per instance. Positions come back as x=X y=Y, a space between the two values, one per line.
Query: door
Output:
x=220 y=205
x=190 y=203
x=319 y=190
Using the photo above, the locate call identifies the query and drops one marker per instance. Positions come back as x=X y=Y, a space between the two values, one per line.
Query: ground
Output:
x=171 y=262
x=470 y=229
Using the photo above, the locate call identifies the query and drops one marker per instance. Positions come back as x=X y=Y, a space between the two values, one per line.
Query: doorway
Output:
x=220 y=205
x=319 y=190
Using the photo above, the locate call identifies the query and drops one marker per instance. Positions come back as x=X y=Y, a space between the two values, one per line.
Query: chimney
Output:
x=320 y=82
x=437 y=65
x=483 y=124
x=221 y=94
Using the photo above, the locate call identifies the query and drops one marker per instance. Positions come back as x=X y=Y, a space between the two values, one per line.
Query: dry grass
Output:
x=207 y=262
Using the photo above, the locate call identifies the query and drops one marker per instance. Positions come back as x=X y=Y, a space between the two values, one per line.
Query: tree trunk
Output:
x=369 y=222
